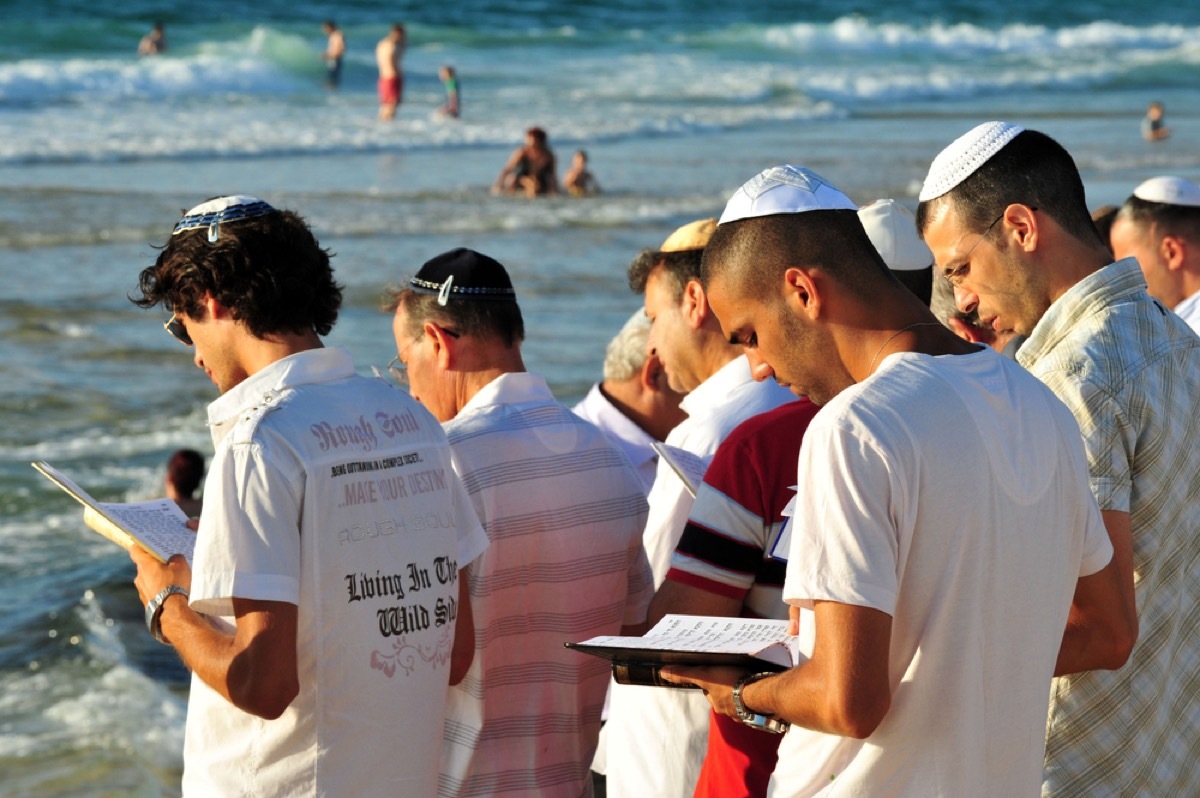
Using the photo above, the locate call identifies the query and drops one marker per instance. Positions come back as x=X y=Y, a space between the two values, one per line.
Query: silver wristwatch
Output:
x=154 y=609
x=750 y=717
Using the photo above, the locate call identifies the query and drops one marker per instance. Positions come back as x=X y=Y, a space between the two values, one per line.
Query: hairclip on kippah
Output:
x=213 y=213
x=444 y=291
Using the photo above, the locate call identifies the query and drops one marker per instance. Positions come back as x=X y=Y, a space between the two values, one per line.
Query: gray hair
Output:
x=941 y=301
x=626 y=352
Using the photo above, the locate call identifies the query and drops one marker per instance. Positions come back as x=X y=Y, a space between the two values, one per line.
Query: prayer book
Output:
x=158 y=526
x=689 y=467
x=751 y=643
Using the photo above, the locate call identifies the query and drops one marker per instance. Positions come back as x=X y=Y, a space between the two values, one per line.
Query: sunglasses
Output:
x=177 y=330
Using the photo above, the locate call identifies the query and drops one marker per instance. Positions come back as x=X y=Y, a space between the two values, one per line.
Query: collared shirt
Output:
x=657 y=737
x=1130 y=372
x=332 y=492
x=1189 y=311
x=564 y=510
x=629 y=437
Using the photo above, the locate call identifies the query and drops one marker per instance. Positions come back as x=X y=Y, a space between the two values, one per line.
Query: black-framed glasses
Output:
x=177 y=329
x=398 y=368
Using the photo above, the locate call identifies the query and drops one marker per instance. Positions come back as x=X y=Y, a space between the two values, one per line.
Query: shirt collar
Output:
x=599 y=405
x=1093 y=293
x=515 y=387
x=716 y=388
x=1189 y=306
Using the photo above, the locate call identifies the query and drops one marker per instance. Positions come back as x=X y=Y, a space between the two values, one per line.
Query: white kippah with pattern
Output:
x=784 y=189
x=1169 y=191
x=965 y=155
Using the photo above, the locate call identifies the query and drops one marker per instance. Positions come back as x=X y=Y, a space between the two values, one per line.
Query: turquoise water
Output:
x=677 y=103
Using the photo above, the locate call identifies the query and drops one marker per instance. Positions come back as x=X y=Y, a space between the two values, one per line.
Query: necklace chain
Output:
x=871 y=370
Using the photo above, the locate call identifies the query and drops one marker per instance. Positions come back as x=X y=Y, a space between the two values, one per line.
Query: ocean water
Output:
x=677 y=104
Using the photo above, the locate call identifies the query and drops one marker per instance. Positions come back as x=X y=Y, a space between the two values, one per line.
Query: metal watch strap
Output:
x=154 y=609
x=750 y=717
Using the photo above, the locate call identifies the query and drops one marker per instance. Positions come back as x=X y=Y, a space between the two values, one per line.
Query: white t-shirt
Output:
x=564 y=510
x=952 y=494
x=333 y=492
x=657 y=737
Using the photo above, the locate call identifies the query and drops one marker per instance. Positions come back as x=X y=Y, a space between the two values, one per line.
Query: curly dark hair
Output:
x=269 y=271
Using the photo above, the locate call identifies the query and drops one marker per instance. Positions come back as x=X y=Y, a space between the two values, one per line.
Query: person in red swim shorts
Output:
x=388 y=54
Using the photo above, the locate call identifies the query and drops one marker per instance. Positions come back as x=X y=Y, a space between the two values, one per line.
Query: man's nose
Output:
x=966 y=301
x=760 y=369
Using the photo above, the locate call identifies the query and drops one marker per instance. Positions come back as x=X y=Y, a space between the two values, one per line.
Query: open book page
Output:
x=688 y=466
x=702 y=640
x=158 y=526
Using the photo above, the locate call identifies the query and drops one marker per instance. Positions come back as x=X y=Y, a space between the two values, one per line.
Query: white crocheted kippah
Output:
x=893 y=231
x=1169 y=191
x=784 y=189
x=965 y=155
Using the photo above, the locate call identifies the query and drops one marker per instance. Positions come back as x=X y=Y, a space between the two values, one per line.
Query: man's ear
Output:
x=214 y=309
x=443 y=345
x=695 y=304
x=1022 y=224
x=653 y=376
x=1173 y=251
x=802 y=291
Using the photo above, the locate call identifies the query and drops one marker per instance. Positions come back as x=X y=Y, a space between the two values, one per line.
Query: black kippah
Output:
x=464 y=274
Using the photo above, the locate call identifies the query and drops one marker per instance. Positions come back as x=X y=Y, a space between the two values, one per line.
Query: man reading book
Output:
x=320 y=628
x=944 y=530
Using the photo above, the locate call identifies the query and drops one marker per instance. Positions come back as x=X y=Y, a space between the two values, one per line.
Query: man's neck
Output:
x=1070 y=263
x=258 y=353
x=715 y=354
x=624 y=397
x=483 y=368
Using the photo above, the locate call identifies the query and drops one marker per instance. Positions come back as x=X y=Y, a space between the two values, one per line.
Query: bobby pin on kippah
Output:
x=213 y=213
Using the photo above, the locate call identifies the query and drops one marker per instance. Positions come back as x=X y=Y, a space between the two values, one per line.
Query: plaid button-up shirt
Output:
x=1129 y=370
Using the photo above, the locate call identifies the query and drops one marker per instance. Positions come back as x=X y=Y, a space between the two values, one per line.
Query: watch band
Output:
x=750 y=717
x=154 y=608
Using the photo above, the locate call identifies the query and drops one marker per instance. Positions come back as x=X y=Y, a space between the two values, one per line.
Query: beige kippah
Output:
x=693 y=235
x=965 y=155
x=1169 y=191
x=784 y=189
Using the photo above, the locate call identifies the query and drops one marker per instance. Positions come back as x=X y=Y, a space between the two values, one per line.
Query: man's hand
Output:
x=717 y=684
x=153 y=576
